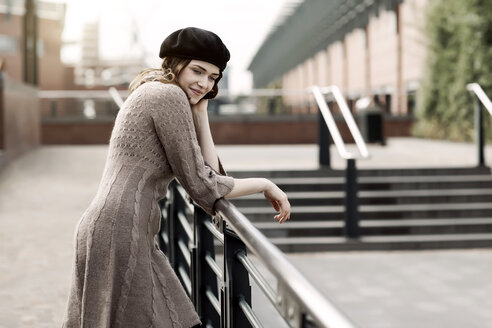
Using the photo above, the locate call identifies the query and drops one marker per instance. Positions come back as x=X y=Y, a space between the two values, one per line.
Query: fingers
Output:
x=284 y=214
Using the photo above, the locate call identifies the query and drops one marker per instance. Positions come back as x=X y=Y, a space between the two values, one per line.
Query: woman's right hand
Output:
x=279 y=201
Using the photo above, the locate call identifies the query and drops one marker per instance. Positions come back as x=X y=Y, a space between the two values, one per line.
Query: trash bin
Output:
x=371 y=124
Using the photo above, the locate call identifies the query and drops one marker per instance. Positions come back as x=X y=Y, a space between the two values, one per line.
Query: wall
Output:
x=20 y=124
x=225 y=130
x=385 y=61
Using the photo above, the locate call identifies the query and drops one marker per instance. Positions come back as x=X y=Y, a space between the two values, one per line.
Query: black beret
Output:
x=195 y=43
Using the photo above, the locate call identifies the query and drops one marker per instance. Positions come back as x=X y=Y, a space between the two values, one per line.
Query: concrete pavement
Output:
x=43 y=194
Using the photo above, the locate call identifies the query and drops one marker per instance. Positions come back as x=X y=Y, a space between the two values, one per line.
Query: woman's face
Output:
x=197 y=79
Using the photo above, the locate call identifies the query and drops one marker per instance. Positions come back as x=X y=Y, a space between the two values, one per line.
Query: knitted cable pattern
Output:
x=132 y=261
x=149 y=233
x=169 y=303
x=90 y=241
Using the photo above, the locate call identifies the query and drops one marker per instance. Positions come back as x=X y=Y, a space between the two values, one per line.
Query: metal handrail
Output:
x=481 y=99
x=319 y=93
x=330 y=121
x=297 y=286
x=481 y=95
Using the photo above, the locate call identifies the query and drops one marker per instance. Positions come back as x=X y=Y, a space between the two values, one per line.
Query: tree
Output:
x=459 y=35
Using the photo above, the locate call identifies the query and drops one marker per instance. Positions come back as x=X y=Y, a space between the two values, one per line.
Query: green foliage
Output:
x=459 y=35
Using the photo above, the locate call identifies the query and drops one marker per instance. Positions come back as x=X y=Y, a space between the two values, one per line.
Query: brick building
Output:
x=367 y=48
x=52 y=74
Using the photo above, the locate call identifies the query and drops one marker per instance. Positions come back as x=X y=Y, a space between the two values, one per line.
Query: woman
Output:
x=120 y=277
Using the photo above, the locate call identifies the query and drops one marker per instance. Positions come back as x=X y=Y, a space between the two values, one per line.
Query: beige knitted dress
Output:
x=120 y=277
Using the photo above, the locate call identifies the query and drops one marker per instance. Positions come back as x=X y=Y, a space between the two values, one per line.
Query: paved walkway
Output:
x=43 y=194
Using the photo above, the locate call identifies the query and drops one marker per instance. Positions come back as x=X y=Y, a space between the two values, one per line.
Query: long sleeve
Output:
x=173 y=122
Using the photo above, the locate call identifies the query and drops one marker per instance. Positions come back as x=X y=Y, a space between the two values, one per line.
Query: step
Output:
x=364 y=172
x=377 y=227
x=323 y=213
x=385 y=183
x=315 y=198
x=318 y=244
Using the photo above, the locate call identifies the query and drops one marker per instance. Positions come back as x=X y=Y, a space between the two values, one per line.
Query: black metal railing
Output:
x=481 y=99
x=222 y=293
x=328 y=131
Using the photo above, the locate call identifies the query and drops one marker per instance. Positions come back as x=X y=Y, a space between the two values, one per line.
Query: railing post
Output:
x=236 y=281
x=203 y=277
x=163 y=238
x=170 y=225
x=351 y=201
x=479 y=131
x=324 y=142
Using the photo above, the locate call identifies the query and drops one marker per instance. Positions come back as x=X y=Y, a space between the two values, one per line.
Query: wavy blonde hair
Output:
x=170 y=69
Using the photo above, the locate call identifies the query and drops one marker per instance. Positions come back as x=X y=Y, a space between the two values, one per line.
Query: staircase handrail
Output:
x=319 y=93
x=481 y=99
x=481 y=95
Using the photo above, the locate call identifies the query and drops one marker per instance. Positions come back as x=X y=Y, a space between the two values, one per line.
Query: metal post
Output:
x=164 y=206
x=324 y=142
x=236 y=279
x=351 y=201
x=479 y=131
x=203 y=277
x=170 y=225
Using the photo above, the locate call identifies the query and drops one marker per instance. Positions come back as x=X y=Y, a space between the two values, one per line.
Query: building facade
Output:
x=51 y=73
x=373 y=49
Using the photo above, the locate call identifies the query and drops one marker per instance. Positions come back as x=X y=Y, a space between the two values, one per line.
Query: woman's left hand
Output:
x=200 y=107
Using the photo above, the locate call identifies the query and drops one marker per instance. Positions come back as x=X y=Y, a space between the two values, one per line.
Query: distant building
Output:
x=367 y=48
x=92 y=70
x=51 y=73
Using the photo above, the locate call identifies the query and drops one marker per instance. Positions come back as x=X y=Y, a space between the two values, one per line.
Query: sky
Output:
x=129 y=27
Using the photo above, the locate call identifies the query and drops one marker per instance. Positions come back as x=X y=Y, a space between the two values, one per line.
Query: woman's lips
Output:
x=198 y=93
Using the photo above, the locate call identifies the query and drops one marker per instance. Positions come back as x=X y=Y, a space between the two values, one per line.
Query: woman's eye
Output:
x=212 y=79
x=197 y=71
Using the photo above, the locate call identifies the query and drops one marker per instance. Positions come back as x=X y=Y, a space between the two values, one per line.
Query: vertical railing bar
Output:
x=182 y=193
x=210 y=227
x=236 y=279
x=185 y=224
x=213 y=300
x=165 y=238
x=204 y=278
x=214 y=266
x=185 y=251
x=250 y=315
x=479 y=133
x=351 y=201
x=185 y=278
x=258 y=277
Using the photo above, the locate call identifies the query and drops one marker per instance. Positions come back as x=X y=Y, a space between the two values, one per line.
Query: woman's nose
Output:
x=202 y=82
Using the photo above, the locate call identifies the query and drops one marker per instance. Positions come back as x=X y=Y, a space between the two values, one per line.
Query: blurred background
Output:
x=379 y=53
